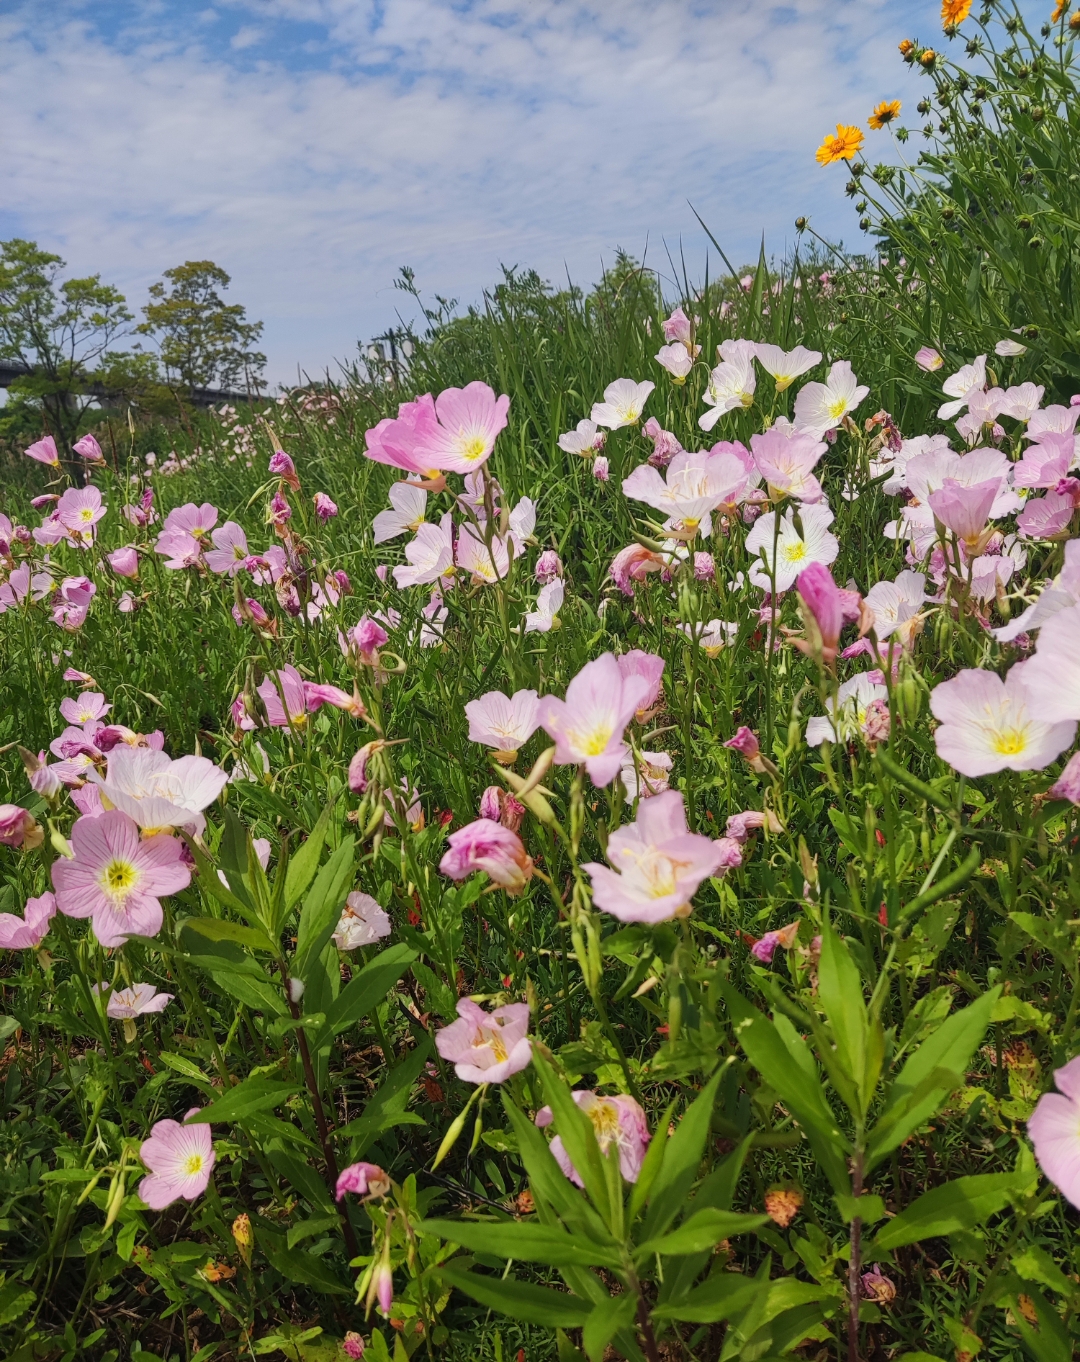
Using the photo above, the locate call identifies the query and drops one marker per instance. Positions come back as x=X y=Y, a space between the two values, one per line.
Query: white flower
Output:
x=676 y=360
x=584 y=439
x=1006 y=348
x=855 y=698
x=624 y=401
x=793 y=552
x=409 y=503
x=971 y=378
x=696 y=483
x=731 y=383
x=522 y=524
x=786 y=366
x=712 y=636
x=820 y=407
x=548 y=603
x=503 y=722
x=158 y=792
x=645 y=777
x=362 y=923
x=896 y=605
x=1063 y=592
x=429 y=555
x=1021 y=403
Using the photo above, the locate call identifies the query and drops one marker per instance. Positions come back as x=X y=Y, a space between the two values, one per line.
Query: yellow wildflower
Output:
x=842 y=147
x=884 y=113
x=954 y=12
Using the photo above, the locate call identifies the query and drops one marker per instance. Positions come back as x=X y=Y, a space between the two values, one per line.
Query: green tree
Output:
x=203 y=341
x=59 y=330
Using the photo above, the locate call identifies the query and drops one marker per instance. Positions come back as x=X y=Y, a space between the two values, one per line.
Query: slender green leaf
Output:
x=605 y=1321
x=304 y=863
x=364 y=990
x=253 y=1094
x=578 y=1137
x=841 y=994
x=958 y=1205
x=682 y=1160
x=322 y=907
x=703 y=1230
x=220 y=929
x=521 y=1300
x=528 y=1243
x=723 y=1295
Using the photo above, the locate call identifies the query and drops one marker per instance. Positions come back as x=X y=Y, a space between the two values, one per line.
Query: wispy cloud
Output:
x=314 y=146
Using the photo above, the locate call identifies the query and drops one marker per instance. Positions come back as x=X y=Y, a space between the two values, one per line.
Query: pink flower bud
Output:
x=745 y=743
x=325 y=509
x=343 y=583
x=368 y=636
x=352 y=1345
x=364 y=1179
x=704 y=567
x=600 y=468
x=18 y=828
x=1067 y=785
x=124 y=562
x=384 y=1287
x=283 y=466
x=824 y=605
x=89 y=448
x=382 y=572
x=548 y=567
x=489 y=803
x=489 y=847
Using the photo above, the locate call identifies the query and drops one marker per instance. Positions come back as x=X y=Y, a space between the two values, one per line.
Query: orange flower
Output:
x=1059 y=10
x=884 y=113
x=842 y=147
x=954 y=12
x=907 y=47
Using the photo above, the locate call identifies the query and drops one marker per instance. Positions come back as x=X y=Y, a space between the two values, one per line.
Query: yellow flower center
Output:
x=87 y=514
x=492 y=1039
x=605 y=1121
x=193 y=1164
x=1010 y=742
x=837 y=407
x=118 y=879
x=795 y=552
x=472 y=448
x=593 y=743
x=239 y=553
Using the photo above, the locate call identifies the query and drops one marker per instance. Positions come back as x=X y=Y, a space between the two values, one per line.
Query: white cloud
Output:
x=421 y=132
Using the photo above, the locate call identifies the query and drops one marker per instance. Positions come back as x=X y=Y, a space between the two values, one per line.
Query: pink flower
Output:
x=764 y=949
x=1054 y=1127
x=992 y=725
x=548 y=567
x=197 y=521
x=676 y=359
x=352 y=1345
x=964 y=510
x=124 y=562
x=367 y=636
x=179 y=549
x=649 y=667
x=463 y=435
x=490 y=848
x=230 y=552
x=398 y=441
x=18 y=828
x=89 y=448
x=1046 y=517
x=284 y=697
x=658 y=864
x=677 y=327
x=44 y=451
x=741 y=825
x=745 y=742
x=1067 y=785
x=646 y=775
x=584 y=439
x=362 y=923
x=125 y=1004
x=665 y=444
x=696 y=484
x=283 y=466
x=27 y=932
x=80 y=509
x=117 y=879
x=501 y=807
x=180 y=1159
x=41 y=776
x=824 y=603
x=632 y=564
x=1052 y=676
x=786 y=459
x=486 y=1047
x=588 y=725
x=280 y=512
x=362 y=1179
x=961 y=386
x=317 y=695
x=795 y=551
x=325 y=509
x=617 y=1121
x=600 y=468
x=357 y=775
x=21 y=585
x=157 y=792
x=501 y=722
x=704 y=567
x=89 y=706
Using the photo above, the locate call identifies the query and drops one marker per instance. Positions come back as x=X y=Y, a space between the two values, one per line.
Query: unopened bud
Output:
x=244 y=1238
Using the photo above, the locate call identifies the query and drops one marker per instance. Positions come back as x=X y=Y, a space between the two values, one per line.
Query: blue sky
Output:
x=311 y=147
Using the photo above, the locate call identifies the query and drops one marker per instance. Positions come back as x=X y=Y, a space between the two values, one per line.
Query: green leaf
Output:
x=521 y=1300
x=364 y=990
x=305 y=1269
x=220 y=929
x=702 y=1231
x=440 y=999
x=724 y=1294
x=181 y=1065
x=803 y=1096
x=841 y=995
x=529 y=1243
x=916 y=1094
x=303 y=865
x=253 y=1094
x=682 y=1159
x=958 y=1205
x=604 y=1323
x=868 y=1208
x=15 y=1300
x=322 y=907
x=1035 y=1265
x=1051 y=934
x=1048 y=1340
x=386 y=1108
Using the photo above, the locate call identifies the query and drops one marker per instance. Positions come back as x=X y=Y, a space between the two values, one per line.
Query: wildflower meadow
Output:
x=564 y=843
